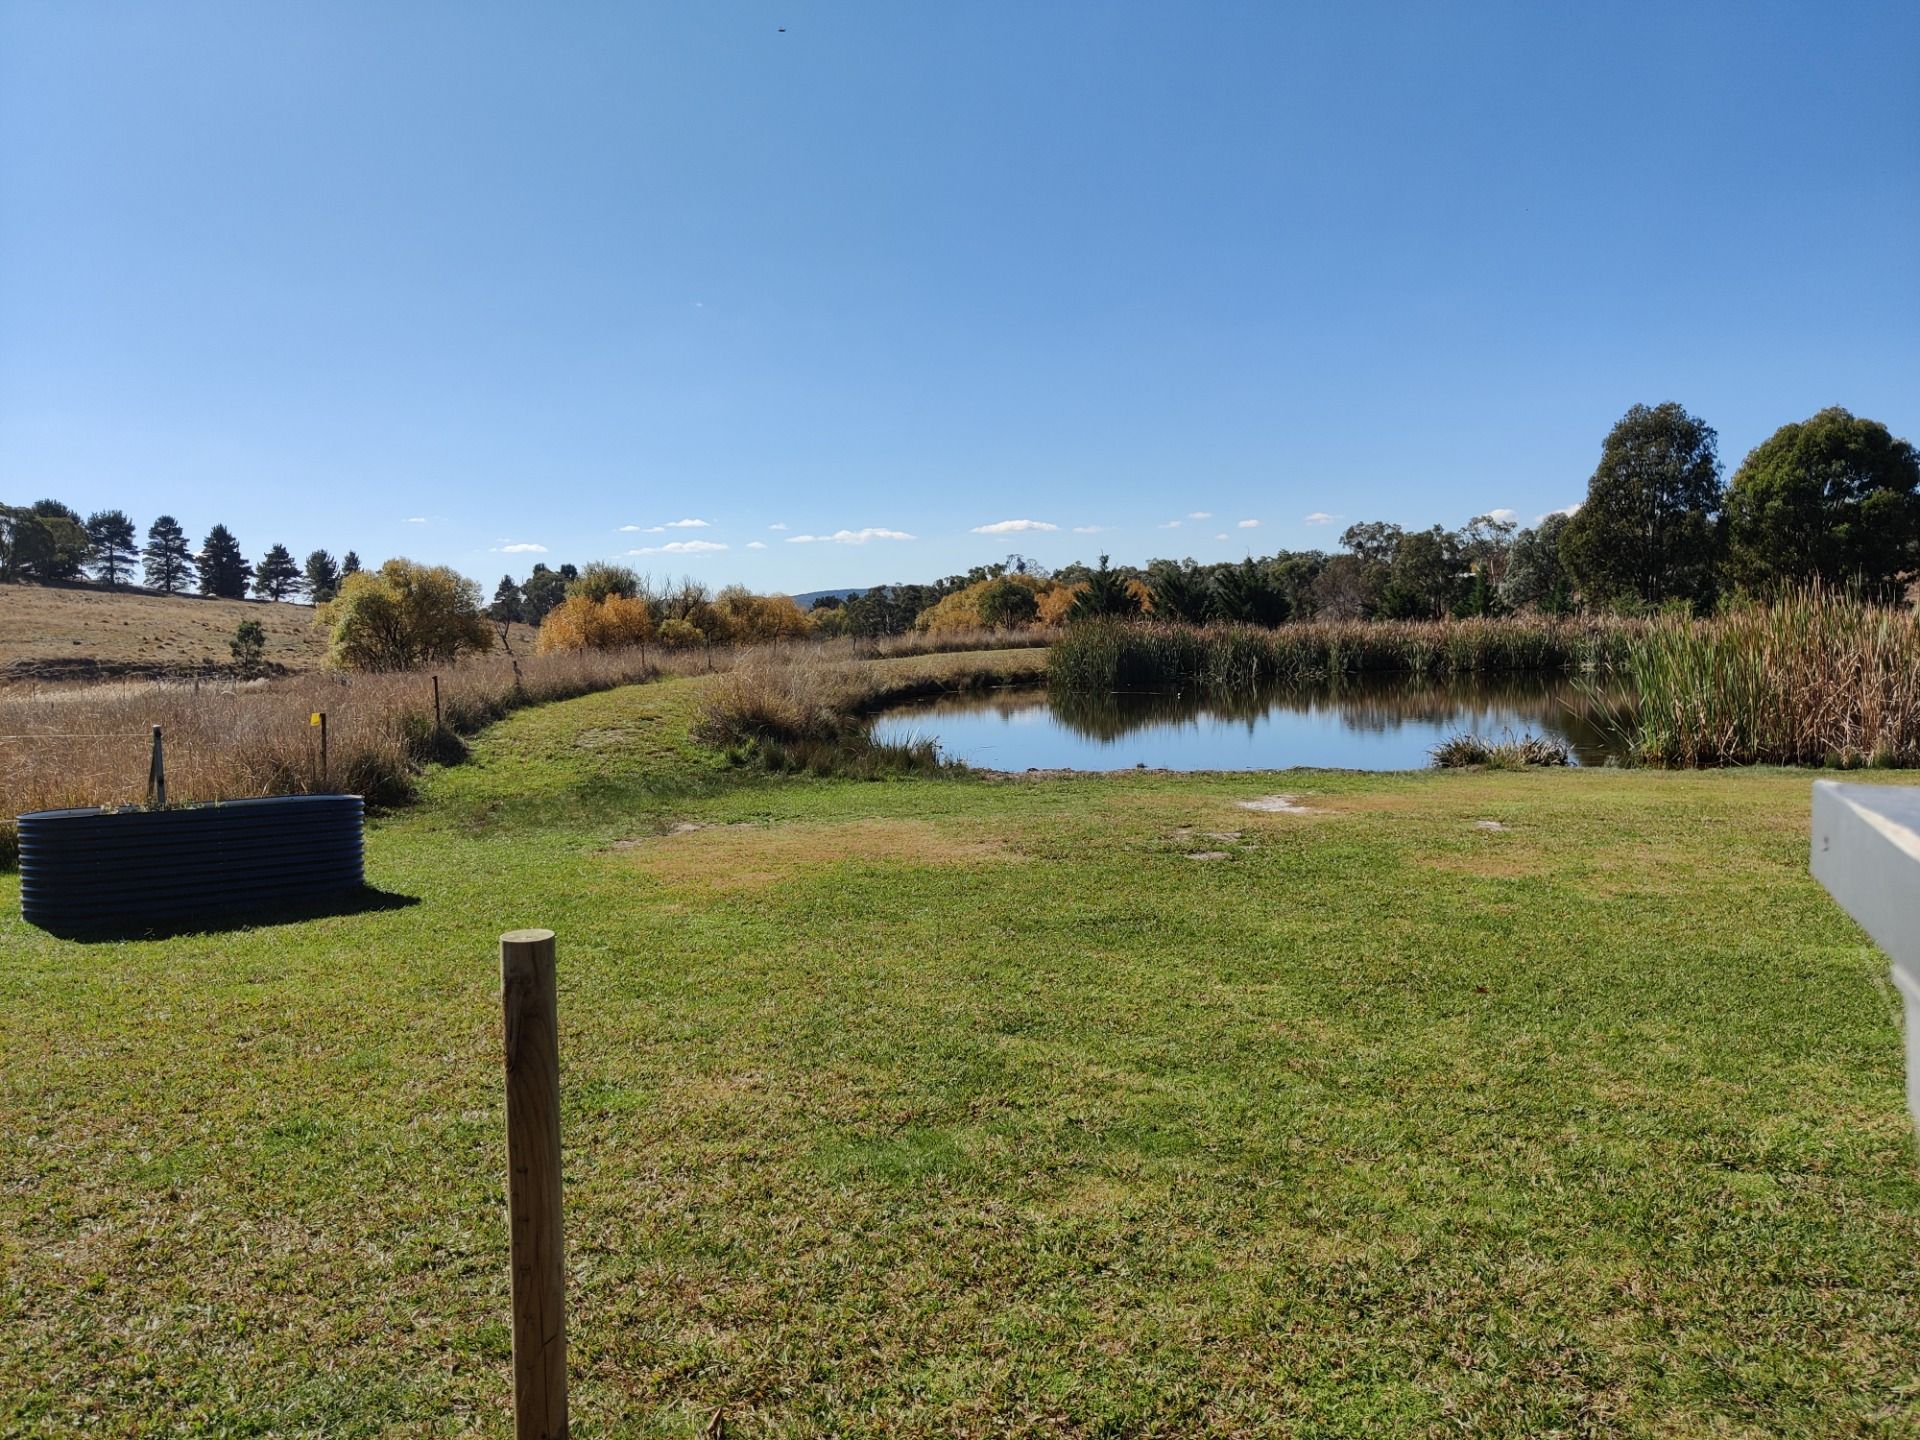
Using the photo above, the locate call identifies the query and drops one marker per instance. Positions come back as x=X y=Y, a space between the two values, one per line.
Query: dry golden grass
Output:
x=821 y=694
x=73 y=745
x=54 y=632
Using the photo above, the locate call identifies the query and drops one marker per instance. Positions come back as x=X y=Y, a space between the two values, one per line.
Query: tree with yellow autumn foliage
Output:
x=1002 y=602
x=581 y=622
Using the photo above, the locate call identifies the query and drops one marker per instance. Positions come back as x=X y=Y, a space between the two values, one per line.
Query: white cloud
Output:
x=849 y=537
x=1221 y=536
x=1249 y=525
x=756 y=544
x=778 y=525
x=1503 y=514
x=1088 y=529
x=662 y=529
x=1563 y=510
x=1321 y=517
x=1012 y=527
x=416 y=519
x=520 y=547
x=1200 y=514
x=1171 y=525
x=680 y=547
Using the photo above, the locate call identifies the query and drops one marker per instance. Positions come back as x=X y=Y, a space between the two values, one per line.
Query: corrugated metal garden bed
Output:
x=111 y=868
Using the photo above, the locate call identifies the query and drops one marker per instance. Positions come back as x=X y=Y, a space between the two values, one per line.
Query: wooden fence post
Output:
x=436 y=705
x=157 y=774
x=533 y=1185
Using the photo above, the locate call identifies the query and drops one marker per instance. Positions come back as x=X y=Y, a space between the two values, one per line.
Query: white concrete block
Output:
x=1866 y=851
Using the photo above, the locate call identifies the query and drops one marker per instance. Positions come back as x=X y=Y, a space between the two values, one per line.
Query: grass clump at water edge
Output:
x=808 y=710
x=1460 y=752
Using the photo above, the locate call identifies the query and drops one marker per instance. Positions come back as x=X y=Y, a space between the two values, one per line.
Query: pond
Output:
x=1368 y=723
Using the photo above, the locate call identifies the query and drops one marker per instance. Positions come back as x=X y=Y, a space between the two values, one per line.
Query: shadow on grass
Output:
x=364 y=900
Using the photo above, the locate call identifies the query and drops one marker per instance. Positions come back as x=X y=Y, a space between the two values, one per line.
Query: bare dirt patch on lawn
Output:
x=724 y=858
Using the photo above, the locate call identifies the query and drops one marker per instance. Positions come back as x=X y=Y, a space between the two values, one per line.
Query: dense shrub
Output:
x=580 y=622
x=404 y=615
x=678 y=634
x=1001 y=602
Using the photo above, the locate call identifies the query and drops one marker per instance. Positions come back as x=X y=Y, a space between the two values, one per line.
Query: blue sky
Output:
x=440 y=279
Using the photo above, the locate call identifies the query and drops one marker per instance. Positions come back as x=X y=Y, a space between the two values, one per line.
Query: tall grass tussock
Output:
x=1461 y=752
x=1815 y=678
x=1107 y=655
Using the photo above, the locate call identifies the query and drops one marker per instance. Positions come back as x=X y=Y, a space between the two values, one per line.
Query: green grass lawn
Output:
x=967 y=1106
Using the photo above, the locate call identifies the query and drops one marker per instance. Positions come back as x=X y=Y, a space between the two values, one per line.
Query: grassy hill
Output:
x=84 y=632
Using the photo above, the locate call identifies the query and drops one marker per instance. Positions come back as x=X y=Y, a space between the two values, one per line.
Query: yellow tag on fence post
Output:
x=314 y=719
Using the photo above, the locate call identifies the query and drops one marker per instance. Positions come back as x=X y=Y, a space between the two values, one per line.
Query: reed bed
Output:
x=1107 y=655
x=1816 y=678
x=947 y=642
x=71 y=746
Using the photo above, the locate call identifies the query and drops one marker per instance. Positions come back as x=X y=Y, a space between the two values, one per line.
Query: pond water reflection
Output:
x=1365 y=723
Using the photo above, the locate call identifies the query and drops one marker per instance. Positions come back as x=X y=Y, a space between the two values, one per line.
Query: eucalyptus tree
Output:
x=1649 y=530
x=1835 y=497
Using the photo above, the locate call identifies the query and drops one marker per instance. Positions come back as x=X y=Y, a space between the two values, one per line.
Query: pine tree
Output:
x=1179 y=592
x=1106 y=594
x=223 y=569
x=276 y=576
x=249 y=647
x=110 y=544
x=1478 y=600
x=349 y=564
x=323 y=577
x=507 y=604
x=167 y=558
x=1559 y=600
x=1246 y=594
